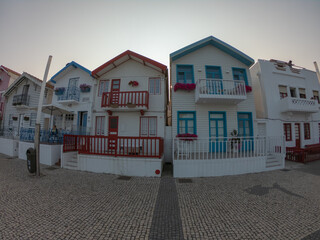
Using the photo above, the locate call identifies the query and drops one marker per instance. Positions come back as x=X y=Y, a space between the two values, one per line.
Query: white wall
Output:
x=9 y=147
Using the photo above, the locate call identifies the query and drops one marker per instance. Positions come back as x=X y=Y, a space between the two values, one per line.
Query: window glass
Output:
x=184 y=74
x=148 y=127
x=213 y=72
x=103 y=87
x=154 y=86
x=186 y=122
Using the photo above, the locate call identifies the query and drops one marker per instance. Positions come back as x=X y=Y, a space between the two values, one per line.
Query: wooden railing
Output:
x=125 y=99
x=149 y=147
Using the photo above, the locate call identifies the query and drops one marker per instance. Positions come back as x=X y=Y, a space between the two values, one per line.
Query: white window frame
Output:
x=145 y=126
x=155 y=86
x=104 y=89
x=100 y=125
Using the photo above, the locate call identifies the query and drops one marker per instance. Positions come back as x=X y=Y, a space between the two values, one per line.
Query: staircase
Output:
x=70 y=161
x=272 y=163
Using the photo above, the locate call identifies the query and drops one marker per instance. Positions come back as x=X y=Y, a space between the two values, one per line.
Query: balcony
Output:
x=21 y=100
x=70 y=95
x=220 y=91
x=128 y=101
x=289 y=104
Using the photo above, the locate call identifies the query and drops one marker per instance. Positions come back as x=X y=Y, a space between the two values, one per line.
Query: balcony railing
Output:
x=21 y=99
x=70 y=94
x=125 y=99
x=215 y=90
x=148 y=147
x=288 y=104
x=223 y=148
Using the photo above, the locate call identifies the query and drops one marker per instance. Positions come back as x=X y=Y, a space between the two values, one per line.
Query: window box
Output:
x=114 y=105
x=187 y=136
x=131 y=105
x=85 y=88
x=133 y=84
x=184 y=86
x=59 y=91
x=248 y=89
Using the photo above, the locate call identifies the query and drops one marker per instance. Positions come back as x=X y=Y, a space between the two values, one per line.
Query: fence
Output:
x=221 y=148
x=221 y=87
x=125 y=99
x=150 y=147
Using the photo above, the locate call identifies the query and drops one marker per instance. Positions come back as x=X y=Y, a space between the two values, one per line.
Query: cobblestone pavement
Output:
x=65 y=204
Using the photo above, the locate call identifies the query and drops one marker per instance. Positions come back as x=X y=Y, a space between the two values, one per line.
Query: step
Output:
x=70 y=167
x=273 y=164
x=72 y=164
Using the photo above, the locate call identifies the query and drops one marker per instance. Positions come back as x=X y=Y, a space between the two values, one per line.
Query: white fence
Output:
x=221 y=87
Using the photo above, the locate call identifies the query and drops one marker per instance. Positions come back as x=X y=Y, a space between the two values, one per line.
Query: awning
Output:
x=52 y=109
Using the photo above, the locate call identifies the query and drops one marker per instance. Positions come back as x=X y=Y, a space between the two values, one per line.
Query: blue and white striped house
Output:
x=213 y=112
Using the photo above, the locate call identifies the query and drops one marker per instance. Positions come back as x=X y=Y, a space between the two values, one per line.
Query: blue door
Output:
x=217 y=131
x=82 y=122
x=213 y=73
x=245 y=130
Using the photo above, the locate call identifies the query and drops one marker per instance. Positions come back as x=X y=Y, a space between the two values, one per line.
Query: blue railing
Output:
x=72 y=93
x=48 y=136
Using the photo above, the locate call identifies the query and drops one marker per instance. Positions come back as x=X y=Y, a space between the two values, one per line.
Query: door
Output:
x=217 y=131
x=24 y=96
x=245 y=130
x=113 y=134
x=115 y=91
x=72 y=88
x=82 y=122
x=214 y=82
x=297 y=134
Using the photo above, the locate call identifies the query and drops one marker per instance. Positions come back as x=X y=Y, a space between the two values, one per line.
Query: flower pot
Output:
x=84 y=90
x=114 y=105
x=131 y=105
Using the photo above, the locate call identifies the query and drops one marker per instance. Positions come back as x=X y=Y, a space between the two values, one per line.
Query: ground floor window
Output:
x=186 y=122
x=245 y=127
x=100 y=124
x=306 y=130
x=287 y=131
x=148 y=126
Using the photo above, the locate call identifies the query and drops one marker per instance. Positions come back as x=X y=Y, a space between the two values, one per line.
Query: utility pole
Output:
x=37 y=129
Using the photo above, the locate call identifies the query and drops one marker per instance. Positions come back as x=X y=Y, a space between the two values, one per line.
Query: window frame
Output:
x=102 y=126
x=250 y=124
x=177 y=73
x=194 y=119
x=154 y=86
x=285 y=128
x=245 y=74
x=217 y=67
x=106 y=81
x=306 y=130
x=148 y=127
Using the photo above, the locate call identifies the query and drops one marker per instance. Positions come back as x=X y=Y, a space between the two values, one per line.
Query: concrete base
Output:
x=141 y=167
x=218 y=167
x=49 y=154
x=9 y=147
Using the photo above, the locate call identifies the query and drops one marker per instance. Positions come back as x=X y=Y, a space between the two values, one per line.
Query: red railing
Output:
x=125 y=99
x=150 y=147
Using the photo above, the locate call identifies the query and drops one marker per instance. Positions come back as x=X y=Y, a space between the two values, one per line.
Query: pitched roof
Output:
x=245 y=59
x=21 y=78
x=123 y=57
x=10 y=70
x=71 y=64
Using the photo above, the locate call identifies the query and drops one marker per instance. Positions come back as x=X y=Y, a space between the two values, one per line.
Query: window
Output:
x=213 y=72
x=240 y=74
x=103 y=87
x=100 y=125
x=306 y=130
x=287 y=131
x=33 y=117
x=316 y=95
x=283 y=91
x=154 y=86
x=302 y=92
x=185 y=74
x=148 y=126
x=10 y=123
x=293 y=92
x=245 y=127
x=186 y=122
x=69 y=117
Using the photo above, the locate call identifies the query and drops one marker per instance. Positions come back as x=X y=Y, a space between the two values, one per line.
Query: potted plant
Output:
x=248 y=89
x=131 y=105
x=235 y=140
x=59 y=90
x=85 y=88
x=187 y=136
x=114 y=105
x=133 y=83
x=184 y=86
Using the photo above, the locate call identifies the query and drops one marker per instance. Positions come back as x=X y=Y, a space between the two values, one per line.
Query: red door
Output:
x=113 y=134
x=297 y=134
x=115 y=89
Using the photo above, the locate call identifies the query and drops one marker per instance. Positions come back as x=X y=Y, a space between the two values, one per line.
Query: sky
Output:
x=92 y=32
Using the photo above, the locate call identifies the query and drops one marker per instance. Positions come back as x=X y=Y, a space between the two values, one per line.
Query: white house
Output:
x=22 y=98
x=287 y=101
x=213 y=113
x=72 y=102
x=129 y=117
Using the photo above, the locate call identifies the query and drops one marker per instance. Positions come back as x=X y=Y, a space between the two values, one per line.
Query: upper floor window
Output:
x=302 y=92
x=240 y=74
x=154 y=86
x=186 y=122
x=213 y=72
x=185 y=74
x=283 y=91
x=316 y=95
x=293 y=92
x=103 y=87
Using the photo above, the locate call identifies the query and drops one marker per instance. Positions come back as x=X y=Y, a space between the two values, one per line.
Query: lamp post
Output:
x=37 y=128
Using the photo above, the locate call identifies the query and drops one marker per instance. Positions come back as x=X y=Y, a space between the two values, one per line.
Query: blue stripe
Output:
x=73 y=64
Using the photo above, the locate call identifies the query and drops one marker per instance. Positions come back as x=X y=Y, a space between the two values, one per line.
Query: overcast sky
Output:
x=94 y=31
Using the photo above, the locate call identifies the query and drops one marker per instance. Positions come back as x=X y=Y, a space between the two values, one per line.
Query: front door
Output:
x=113 y=134
x=297 y=134
x=115 y=89
x=82 y=122
x=217 y=131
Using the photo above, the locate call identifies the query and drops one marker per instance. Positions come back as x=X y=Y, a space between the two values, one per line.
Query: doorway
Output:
x=113 y=134
x=115 y=91
x=297 y=134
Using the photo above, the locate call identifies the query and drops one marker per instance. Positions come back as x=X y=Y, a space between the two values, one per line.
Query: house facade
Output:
x=287 y=102
x=7 y=77
x=73 y=98
x=128 y=120
x=213 y=112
